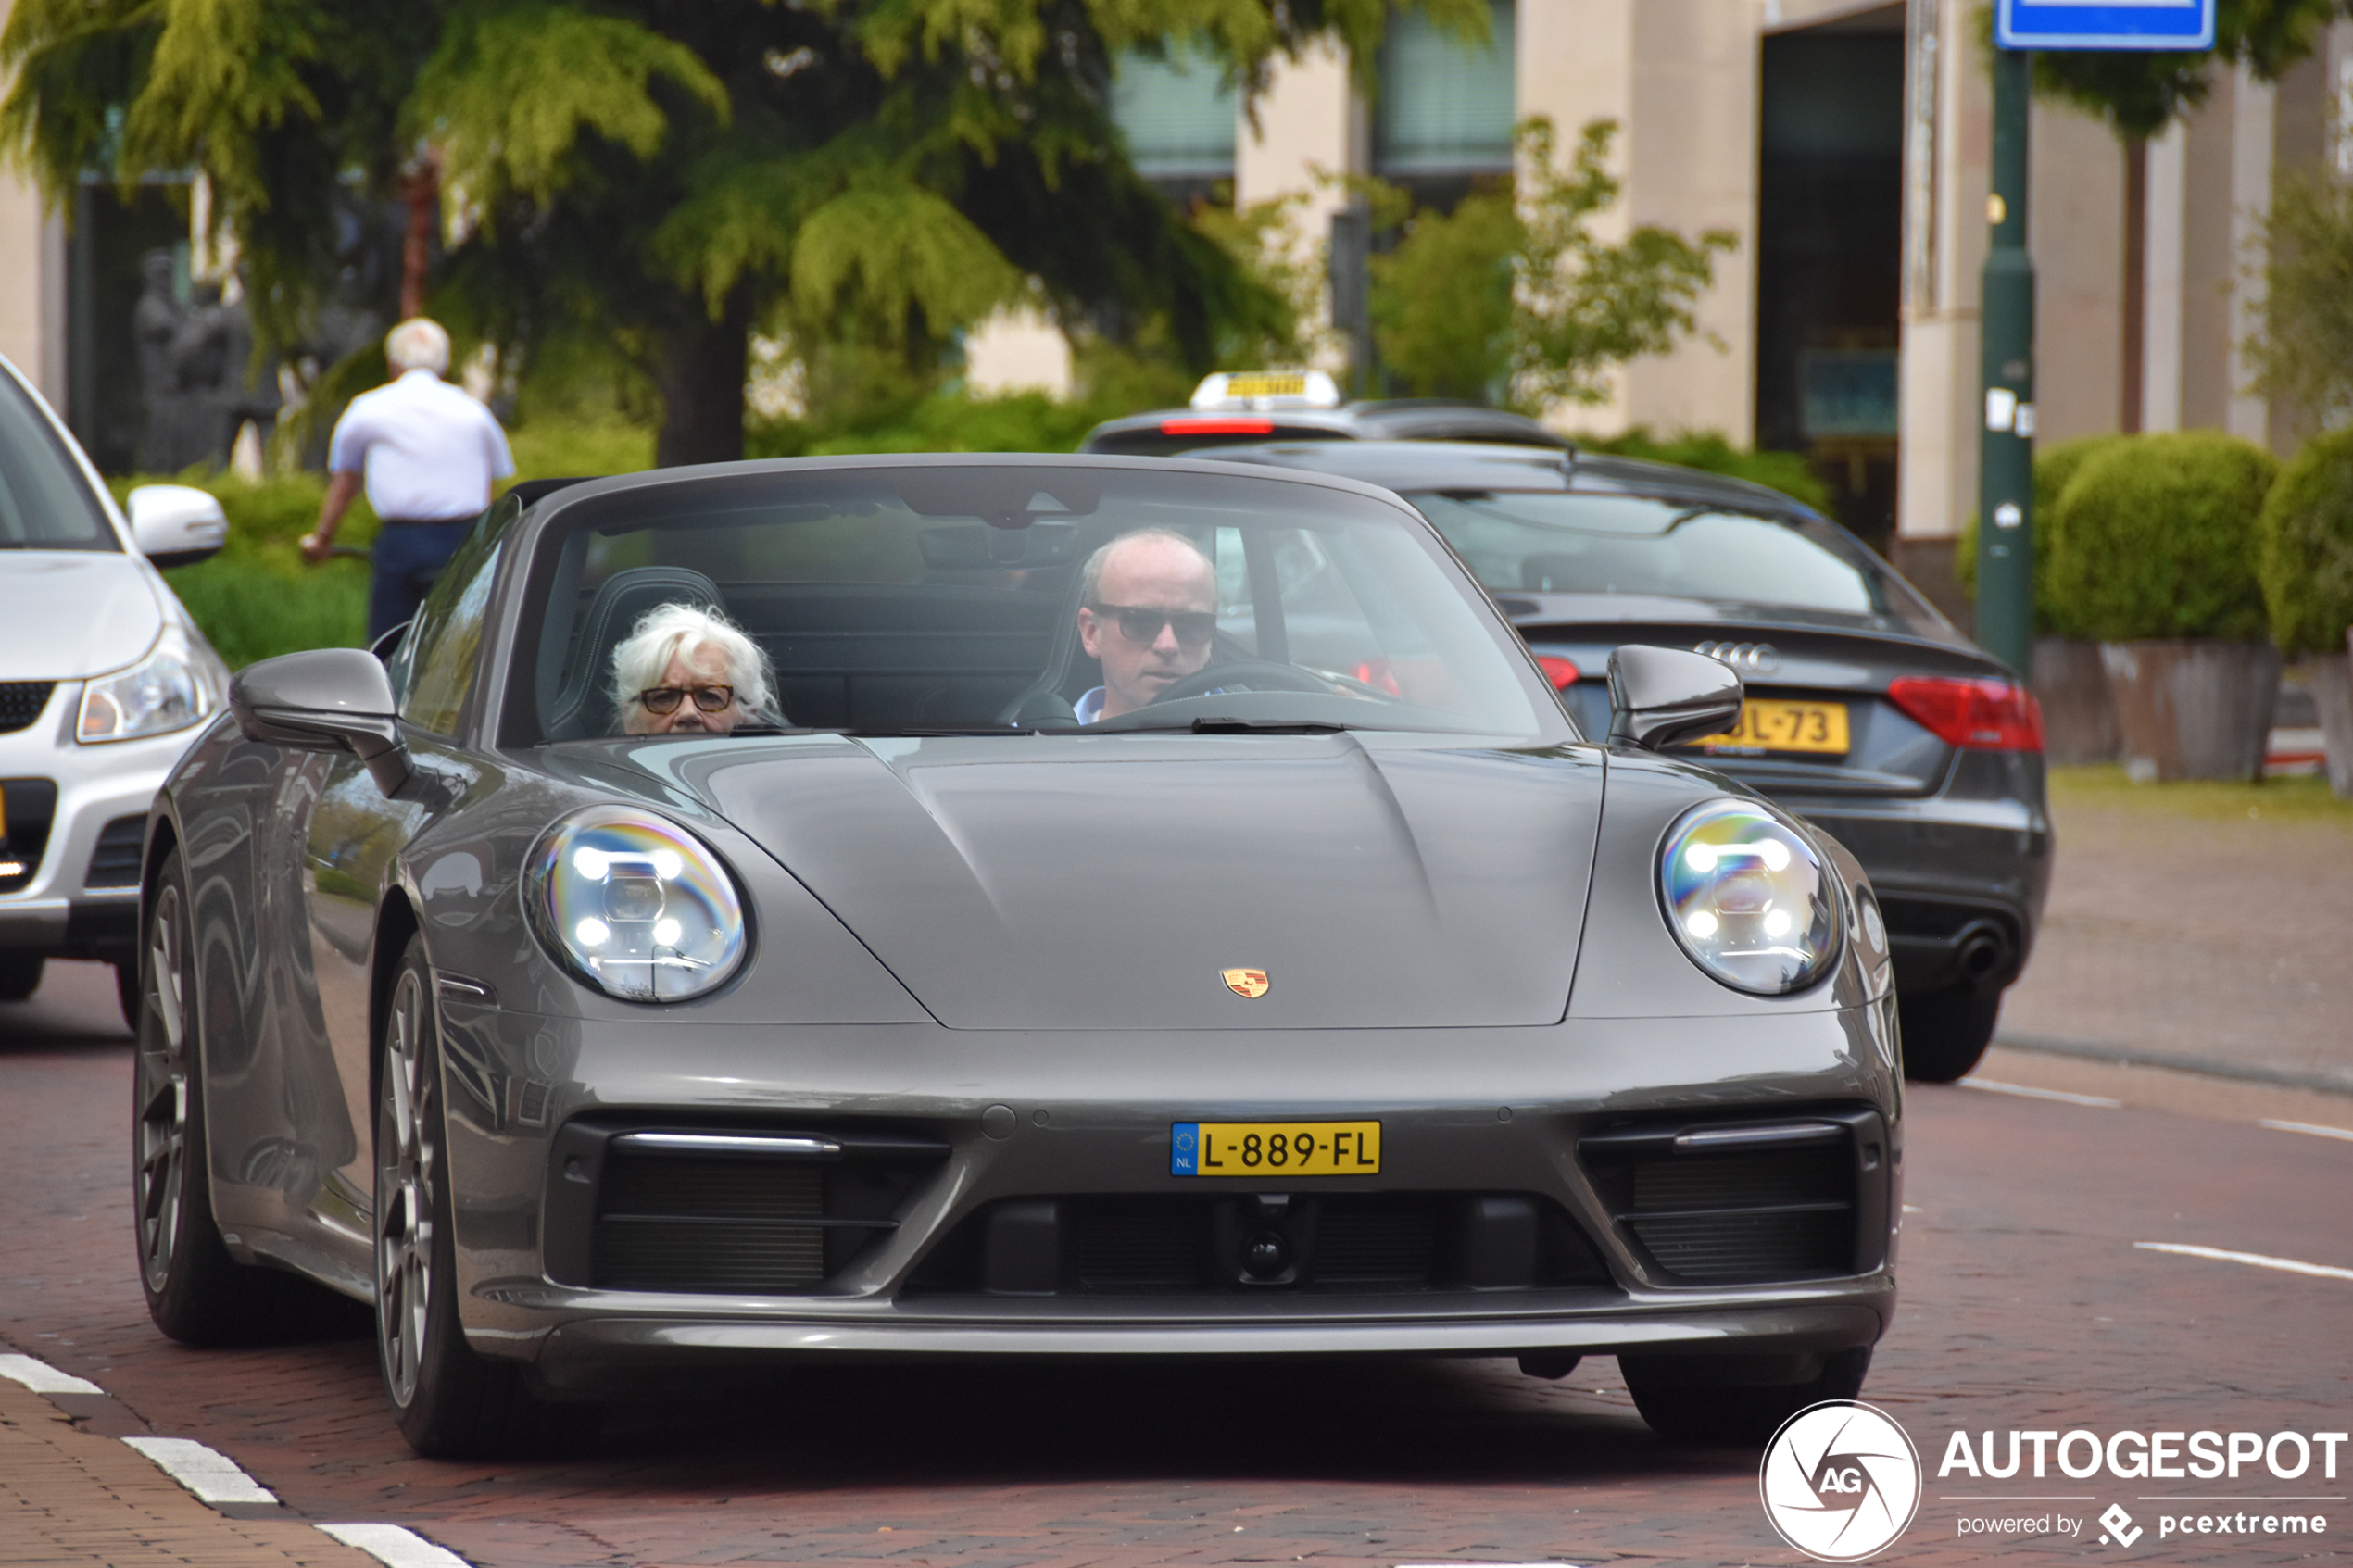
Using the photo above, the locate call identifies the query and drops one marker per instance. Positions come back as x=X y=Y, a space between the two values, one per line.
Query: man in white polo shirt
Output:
x=428 y=454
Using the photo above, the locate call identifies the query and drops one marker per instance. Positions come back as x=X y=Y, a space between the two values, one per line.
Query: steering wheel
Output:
x=1257 y=675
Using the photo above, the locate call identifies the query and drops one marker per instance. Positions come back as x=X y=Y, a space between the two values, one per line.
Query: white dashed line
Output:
x=212 y=1476
x=395 y=1546
x=2315 y=1128
x=2101 y=1100
x=2256 y=1259
x=43 y=1378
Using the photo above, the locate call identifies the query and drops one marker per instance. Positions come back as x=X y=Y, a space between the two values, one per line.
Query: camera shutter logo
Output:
x=1841 y=1481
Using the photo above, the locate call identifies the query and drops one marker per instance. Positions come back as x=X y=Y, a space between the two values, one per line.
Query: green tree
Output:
x=2140 y=91
x=2302 y=348
x=641 y=183
x=1514 y=297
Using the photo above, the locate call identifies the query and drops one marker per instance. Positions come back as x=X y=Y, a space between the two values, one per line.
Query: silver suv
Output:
x=104 y=681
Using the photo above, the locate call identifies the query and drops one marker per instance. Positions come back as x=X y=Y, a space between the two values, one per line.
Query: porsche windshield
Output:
x=921 y=599
x=1547 y=542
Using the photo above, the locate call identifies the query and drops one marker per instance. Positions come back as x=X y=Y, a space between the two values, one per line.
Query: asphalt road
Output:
x=2029 y=1306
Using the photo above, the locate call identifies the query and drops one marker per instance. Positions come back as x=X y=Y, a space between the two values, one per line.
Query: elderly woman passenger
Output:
x=686 y=669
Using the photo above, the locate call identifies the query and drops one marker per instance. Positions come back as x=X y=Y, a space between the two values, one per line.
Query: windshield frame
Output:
x=509 y=715
x=48 y=444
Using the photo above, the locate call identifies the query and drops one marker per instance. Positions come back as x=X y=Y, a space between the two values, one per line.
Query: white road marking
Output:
x=392 y=1545
x=2101 y=1100
x=2315 y=1128
x=2289 y=1265
x=43 y=1378
x=212 y=1476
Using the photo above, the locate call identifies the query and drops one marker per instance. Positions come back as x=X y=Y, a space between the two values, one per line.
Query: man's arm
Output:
x=342 y=490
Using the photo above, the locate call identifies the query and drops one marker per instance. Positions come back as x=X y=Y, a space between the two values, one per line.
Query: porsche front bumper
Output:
x=1485 y=1122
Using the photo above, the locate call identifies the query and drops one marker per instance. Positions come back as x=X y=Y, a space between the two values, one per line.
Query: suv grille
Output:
x=21 y=702
x=1717 y=1203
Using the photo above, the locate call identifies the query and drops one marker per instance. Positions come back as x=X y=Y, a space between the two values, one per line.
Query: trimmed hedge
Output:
x=2159 y=540
x=2306 y=562
x=2054 y=466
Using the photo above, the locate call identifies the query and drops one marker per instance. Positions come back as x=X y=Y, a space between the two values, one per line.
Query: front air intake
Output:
x=1726 y=1203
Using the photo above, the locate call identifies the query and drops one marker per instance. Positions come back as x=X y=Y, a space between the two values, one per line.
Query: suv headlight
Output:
x=1750 y=898
x=178 y=684
x=635 y=905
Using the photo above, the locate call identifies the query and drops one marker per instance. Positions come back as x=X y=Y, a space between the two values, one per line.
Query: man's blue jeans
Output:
x=408 y=556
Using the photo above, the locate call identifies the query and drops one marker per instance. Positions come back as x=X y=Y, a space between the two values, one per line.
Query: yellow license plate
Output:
x=1768 y=725
x=1277 y=384
x=1261 y=1149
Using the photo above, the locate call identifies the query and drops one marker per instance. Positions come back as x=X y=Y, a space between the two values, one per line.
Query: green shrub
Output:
x=950 y=421
x=2306 y=562
x=2160 y=539
x=1786 y=471
x=2054 y=466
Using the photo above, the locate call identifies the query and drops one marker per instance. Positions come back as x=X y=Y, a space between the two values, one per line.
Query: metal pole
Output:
x=2005 y=444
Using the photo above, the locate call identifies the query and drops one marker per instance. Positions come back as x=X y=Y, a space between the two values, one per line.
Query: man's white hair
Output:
x=417 y=344
x=671 y=630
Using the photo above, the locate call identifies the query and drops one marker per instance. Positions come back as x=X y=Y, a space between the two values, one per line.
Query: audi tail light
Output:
x=1562 y=672
x=1979 y=715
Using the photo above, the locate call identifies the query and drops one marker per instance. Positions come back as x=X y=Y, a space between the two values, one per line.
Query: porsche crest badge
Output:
x=1246 y=982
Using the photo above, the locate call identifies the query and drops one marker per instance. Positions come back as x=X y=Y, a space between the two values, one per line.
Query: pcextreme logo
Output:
x=1841 y=1481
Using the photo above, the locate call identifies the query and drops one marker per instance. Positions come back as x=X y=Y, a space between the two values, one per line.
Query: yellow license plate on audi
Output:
x=1274 y=1149
x=1768 y=725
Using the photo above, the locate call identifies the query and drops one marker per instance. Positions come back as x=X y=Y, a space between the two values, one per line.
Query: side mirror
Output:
x=327 y=699
x=176 y=524
x=1660 y=695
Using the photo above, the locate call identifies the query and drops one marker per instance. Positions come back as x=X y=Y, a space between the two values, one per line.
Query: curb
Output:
x=2208 y=1067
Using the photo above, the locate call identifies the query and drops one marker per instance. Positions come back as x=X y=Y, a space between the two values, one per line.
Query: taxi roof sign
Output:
x=1266 y=389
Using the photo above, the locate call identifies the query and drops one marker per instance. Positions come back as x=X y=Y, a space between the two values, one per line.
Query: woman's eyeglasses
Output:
x=1142 y=626
x=711 y=699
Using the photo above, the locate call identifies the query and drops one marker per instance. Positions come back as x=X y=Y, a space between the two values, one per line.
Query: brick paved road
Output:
x=2026 y=1307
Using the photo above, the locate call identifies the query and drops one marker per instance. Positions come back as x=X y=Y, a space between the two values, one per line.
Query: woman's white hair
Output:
x=671 y=630
x=417 y=344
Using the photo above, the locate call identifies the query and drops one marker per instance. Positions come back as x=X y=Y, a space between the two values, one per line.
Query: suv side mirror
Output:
x=176 y=524
x=326 y=699
x=1660 y=695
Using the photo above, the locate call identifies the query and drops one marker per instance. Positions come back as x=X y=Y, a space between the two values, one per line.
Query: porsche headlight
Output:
x=1750 y=898
x=636 y=905
x=173 y=687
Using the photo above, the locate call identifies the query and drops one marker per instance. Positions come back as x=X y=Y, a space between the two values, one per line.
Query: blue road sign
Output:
x=2105 y=24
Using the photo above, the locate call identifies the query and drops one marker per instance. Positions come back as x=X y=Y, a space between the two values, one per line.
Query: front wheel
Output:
x=196 y=1292
x=1945 y=1030
x=450 y=1402
x=1697 y=1398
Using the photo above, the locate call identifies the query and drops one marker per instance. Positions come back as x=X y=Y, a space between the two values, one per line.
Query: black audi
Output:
x=1866 y=712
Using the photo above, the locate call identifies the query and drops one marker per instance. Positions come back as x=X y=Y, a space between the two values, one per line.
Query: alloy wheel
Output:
x=408 y=1161
x=163 y=1093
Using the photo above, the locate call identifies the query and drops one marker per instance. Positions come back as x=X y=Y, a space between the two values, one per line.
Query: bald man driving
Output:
x=1148 y=607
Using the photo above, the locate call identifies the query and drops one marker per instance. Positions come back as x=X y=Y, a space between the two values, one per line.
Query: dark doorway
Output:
x=1830 y=245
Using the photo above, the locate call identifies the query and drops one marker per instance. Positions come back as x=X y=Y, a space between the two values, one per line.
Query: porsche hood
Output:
x=1108 y=881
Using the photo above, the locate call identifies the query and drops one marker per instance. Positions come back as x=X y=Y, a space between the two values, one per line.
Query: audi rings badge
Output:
x=1749 y=659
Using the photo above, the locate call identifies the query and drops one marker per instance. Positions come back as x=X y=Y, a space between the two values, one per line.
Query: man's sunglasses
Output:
x=711 y=699
x=1142 y=626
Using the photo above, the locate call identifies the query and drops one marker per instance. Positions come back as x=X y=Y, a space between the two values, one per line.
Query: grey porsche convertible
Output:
x=1014 y=907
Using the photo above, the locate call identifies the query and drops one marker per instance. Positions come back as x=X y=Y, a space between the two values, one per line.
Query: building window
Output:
x=1178 y=113
x=1446 y=104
